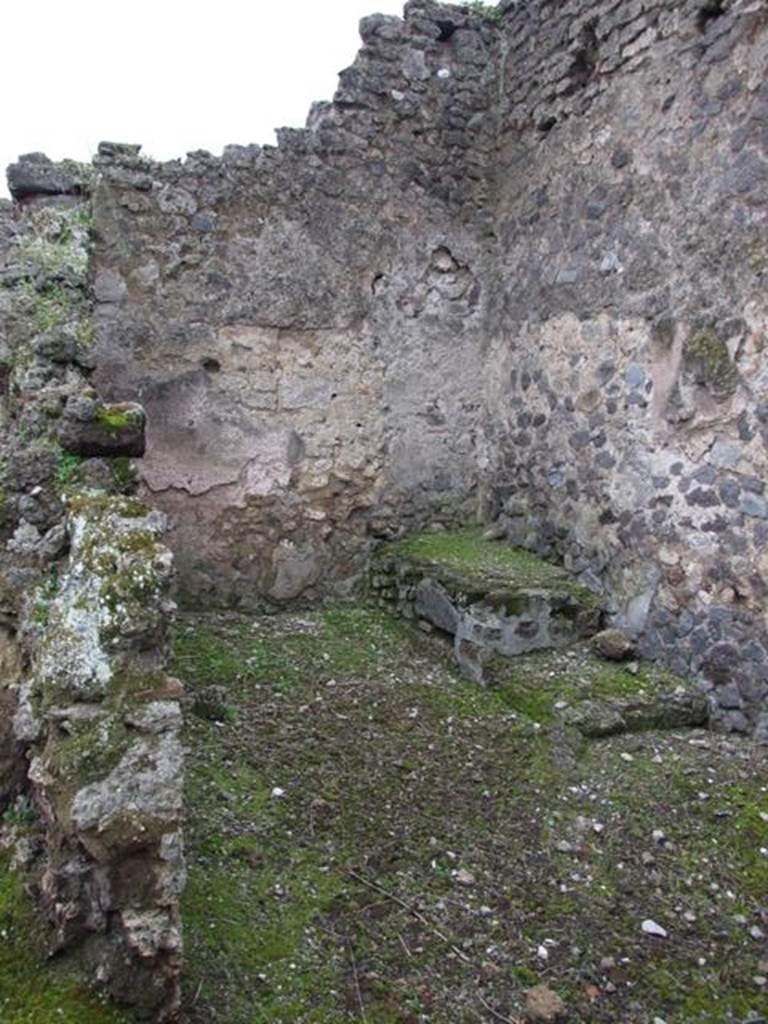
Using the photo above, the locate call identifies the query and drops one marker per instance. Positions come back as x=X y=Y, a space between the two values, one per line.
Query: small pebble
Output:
x=651 y=928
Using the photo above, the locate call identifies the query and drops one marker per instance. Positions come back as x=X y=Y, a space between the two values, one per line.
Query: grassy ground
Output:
x=373 y=839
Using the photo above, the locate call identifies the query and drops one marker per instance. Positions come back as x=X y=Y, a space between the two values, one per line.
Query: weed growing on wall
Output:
x=487 y=10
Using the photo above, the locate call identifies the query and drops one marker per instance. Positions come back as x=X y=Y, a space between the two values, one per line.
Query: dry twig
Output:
x=356 y=977
x=414 y=912
x=496 y=1014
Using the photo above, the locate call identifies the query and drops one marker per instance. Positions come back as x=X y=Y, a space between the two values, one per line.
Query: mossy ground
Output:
x=371 y=838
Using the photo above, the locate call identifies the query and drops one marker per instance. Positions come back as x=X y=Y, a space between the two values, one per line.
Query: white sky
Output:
x=173 y=76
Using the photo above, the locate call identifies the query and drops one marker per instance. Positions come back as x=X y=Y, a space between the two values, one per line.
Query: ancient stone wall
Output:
x=90 y=761
x=626 y=384
x=516 y=266
x=304 y=323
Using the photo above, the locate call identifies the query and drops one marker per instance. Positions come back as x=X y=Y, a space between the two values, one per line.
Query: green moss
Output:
x=99 y=504
x=497 y=571
x=708 y=361
x=348 y=638
x=67 y=469
x=45 y=593
x=56 y=241
x=390 y=766
x=90 y=752
x=123 y=473
x=703 y=1003
x=747 y=834
x=21 y=813
x=234 y=923
x=264 y=894
x=526 y=976
x=533 y=684
x=114 y=419
x=50 y=306
x=32 y=989
x=84 y=331
x=466 y=549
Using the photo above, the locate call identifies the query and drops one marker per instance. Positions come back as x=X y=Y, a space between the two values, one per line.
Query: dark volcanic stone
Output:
x=103 y=430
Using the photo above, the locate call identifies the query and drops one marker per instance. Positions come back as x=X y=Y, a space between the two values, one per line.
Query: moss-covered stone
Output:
x=117 y=417
x=56 y=241
x=488 y=570
x=598 y=699
x=494 y=599
x=89 y=748
x=33 y=988
x=124 y=474
x=707 y=362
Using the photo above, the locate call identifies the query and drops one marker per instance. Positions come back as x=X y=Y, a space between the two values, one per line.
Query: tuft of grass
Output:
x=21 y=814
x=487 y=10
x=67 y=468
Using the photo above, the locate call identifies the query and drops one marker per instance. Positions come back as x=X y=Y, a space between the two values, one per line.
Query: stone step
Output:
x=493 y=599
x=575 y=688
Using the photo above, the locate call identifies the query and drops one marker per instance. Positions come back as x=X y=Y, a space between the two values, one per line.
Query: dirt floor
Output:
x=371 y=838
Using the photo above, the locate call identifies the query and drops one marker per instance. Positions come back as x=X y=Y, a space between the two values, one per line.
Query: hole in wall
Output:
x=711 y=10
x=210 y=364
x=447 y=28
x=584 y=59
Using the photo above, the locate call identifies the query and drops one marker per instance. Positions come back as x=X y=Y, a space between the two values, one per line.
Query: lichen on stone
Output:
x=708 y=362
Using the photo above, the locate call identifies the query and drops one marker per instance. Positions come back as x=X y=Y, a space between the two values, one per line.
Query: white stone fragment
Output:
x=649 y=927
